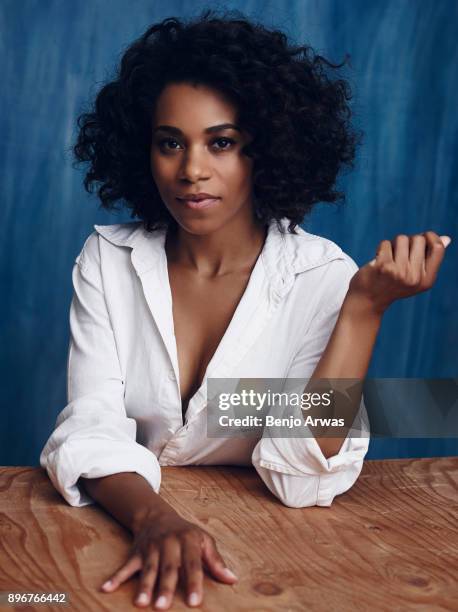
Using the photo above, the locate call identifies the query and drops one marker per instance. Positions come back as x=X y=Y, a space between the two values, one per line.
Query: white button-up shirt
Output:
x=124 y=410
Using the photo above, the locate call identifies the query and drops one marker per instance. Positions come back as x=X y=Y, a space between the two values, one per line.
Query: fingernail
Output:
x=193 y=599
x=228 y=573
x=446 y=240
x=107 y=584
x=142 y=598
x=161 y=602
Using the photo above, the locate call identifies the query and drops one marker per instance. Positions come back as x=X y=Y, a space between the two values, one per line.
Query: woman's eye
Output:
x=165 y=141
x=224 y=141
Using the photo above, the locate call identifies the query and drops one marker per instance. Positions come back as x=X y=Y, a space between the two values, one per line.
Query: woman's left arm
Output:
x=402 y=268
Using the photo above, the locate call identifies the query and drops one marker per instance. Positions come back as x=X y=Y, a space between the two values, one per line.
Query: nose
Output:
x=195 y=165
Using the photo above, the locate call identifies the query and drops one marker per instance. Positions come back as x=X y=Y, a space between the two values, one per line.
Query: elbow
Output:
x=298 y=494
x=332 y=484
x=65 y=481
x=295 y=501
x=292 y=491
x=310 y=489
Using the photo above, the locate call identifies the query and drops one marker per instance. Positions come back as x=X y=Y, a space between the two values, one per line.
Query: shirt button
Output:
x=171 y=375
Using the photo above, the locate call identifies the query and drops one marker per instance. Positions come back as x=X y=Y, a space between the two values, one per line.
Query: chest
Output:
x=202 y=312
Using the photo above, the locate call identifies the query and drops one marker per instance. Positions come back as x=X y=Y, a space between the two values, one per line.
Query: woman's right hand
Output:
x=163 y=548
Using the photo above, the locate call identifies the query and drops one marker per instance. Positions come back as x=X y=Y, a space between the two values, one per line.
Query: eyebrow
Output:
x=209 y=130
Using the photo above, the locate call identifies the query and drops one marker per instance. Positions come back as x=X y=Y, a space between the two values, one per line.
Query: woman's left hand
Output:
x=403 y=267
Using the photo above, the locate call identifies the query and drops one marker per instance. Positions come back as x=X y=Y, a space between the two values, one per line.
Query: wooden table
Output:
x=389 y=543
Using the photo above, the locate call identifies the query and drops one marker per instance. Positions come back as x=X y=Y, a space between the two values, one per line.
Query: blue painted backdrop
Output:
x=54 y=56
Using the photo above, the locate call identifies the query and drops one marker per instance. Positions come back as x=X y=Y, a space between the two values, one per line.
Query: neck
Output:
x=228 y=249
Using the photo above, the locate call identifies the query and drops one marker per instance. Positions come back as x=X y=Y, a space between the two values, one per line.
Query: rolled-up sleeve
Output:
x=295 y=469
x=93 y=436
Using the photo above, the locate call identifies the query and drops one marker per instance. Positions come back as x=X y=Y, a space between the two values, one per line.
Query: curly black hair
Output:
x=274 y=84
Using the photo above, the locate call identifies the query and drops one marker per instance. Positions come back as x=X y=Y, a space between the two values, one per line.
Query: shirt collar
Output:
x=284 y=255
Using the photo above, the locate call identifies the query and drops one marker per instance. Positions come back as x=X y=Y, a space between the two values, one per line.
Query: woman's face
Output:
x=196 y=148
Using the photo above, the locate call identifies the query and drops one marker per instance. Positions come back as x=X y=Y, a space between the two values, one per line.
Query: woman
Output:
x=220 y=138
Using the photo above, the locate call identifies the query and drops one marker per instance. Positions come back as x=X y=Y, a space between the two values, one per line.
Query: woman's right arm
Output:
x=92 y=454
x=93 y=436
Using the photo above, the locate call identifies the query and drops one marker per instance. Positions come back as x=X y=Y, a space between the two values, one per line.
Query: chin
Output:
x=200 y=226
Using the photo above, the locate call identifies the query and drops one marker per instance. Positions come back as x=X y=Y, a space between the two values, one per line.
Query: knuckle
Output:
x=167 y=544
x=194 y=565
x=168 y=538
x=402 y=237
x=216 y=555
x=147 y=552
x=168 y=568
x=432 y=238
x=385 y=267
x=150 y=566
x=190 y=534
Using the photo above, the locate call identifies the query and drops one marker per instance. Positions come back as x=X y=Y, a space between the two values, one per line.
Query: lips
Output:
x=197 y=197
x=202 y=202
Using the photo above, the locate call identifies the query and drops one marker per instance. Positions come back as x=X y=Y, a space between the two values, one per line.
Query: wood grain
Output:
x=389 y=543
